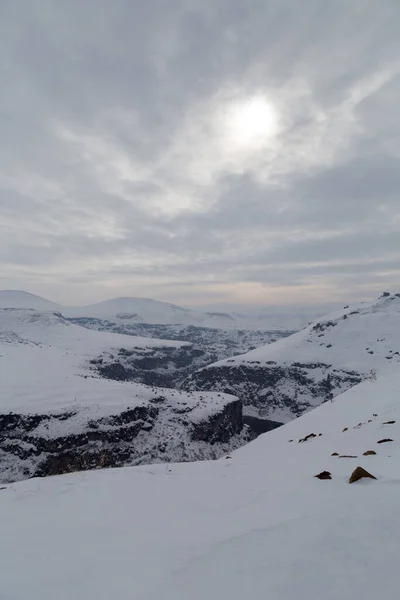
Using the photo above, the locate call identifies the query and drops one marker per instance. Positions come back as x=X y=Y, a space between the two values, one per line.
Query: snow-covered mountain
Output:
x=20 y=299
x=132 y=311
x=57 y=414
x=258 y=523
x=280 y=381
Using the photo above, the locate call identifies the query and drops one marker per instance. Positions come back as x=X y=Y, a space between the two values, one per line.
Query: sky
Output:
x=200 y=151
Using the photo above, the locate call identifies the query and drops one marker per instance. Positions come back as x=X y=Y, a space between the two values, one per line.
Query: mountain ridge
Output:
x=282 y=380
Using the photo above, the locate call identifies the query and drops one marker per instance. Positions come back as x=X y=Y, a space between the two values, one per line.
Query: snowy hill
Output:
x=20 y=299
x=259 y=522
x=282 y=380
x=145 y=310
x=131 y=311
x=57 y=414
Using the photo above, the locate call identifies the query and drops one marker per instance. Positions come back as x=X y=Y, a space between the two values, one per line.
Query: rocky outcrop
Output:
x=360 y=473
x=160 y=367
x=273 y=391
x=220 y=427
x=170 y=427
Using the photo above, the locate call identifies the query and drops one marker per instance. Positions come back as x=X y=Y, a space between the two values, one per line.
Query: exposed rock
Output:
x=389 y=422
x=308 y=437
x=345 y=429
x=369 y=453
x=384 y=441
x=270 y=388
x=219 y=427
x=259 y=426
x=360 y=473
x=335 y=454
x=323 y=475
x=347 y=456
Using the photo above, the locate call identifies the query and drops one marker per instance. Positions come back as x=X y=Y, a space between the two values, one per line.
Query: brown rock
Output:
x=369 y=453
x=335 y=454
x=374 y=415
x=345 y=429
x=384 y=441
x=323 y=475
x=389 y=422
x=308 y=437
x=360 y=473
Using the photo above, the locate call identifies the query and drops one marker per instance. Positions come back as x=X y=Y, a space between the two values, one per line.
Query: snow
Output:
x=20 y=299
x=362 y=337
x=44 y=363
x=126 y=311
x=131 y=310
x=45 y=371
x=280 y=381
x=256 y=524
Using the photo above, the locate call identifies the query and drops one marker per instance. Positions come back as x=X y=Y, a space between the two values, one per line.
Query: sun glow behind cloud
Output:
x=251 y=122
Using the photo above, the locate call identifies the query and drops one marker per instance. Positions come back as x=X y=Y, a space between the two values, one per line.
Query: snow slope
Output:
x=54 y=407
x=258 y=524
x=20 y=299
x=282 y=380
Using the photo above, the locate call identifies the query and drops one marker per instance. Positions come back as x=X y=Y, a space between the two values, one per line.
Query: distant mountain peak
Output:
x=22 y=299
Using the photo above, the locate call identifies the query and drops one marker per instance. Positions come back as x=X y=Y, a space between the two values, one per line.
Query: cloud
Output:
x=120 y=165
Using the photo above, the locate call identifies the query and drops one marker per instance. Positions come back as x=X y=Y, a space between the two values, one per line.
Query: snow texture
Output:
x=256 y=524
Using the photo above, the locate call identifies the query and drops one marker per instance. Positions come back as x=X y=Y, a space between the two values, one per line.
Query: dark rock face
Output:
x=220 y=427
x=161 y=367
x=259 y=426
x=273 y=388
x=160 y=430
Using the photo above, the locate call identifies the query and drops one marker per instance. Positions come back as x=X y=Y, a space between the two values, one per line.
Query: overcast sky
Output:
x=200 y=151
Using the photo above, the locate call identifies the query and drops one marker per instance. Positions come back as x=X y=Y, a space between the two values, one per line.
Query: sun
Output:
x=251 y=121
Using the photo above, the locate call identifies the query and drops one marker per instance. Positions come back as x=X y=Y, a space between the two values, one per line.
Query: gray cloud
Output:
x=119 y=166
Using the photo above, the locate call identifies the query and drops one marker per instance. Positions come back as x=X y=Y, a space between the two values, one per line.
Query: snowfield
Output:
x=257 y=524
